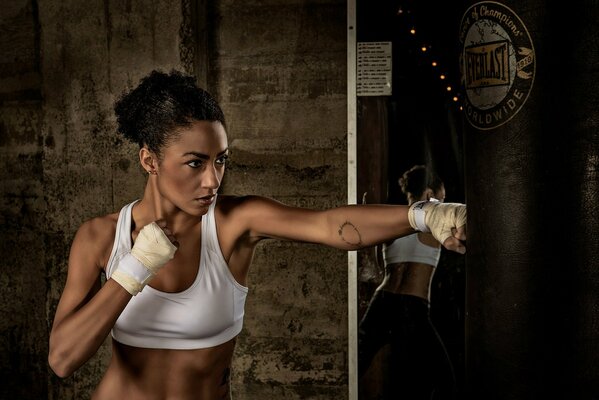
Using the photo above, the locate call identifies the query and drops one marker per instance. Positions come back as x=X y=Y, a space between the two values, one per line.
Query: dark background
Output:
x=421 y=123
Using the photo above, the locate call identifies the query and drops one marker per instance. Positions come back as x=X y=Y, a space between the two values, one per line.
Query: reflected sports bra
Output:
x=208 y=313
x=411 y=249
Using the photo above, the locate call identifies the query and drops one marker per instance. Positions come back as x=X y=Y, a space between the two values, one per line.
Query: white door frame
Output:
x=352 y=178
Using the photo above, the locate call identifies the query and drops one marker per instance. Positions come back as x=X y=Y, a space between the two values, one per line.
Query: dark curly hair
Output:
x=151 y=114
x=417 y=179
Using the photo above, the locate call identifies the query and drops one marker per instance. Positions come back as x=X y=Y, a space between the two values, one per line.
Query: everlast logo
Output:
x=497 y=64
x=487 y=65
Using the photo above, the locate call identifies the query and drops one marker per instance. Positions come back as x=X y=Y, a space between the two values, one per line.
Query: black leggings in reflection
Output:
x=419 y=366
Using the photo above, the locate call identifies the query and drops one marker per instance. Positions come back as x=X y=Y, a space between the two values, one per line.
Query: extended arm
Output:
x=349 y=227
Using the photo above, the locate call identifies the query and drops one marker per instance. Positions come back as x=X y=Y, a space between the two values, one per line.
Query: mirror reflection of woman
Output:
x=398 y=313
x=177 y=259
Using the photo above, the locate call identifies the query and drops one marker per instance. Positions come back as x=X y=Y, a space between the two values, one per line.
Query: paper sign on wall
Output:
x=374 y=69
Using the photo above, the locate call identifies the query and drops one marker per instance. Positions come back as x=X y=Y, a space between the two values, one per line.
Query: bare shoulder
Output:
x=95 y=238
x=89 y=253
x=258 y=217
x=227 y=204
x=98 y=228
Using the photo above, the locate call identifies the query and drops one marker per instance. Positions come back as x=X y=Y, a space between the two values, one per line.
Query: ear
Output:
x=148 y=160
x=428 y=193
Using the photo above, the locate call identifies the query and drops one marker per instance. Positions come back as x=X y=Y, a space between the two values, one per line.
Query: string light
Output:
x=428 y=48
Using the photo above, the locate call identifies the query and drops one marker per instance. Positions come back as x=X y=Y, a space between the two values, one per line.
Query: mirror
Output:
x=403 y=110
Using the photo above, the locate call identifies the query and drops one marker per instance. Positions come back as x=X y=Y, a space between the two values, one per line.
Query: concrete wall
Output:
x=281 y=78
x=278 y=68
x=23 y=339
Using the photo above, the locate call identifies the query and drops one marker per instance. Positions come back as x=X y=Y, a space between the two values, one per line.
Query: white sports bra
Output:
x=208 y=313
x=411 y=249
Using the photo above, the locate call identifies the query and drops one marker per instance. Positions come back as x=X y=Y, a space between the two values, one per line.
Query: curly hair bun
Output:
x=153 y=111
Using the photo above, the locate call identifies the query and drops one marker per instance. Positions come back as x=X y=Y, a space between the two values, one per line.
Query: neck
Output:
x=153 y=206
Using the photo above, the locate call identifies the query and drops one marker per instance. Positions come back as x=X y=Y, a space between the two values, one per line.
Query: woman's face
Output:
x=192 y=166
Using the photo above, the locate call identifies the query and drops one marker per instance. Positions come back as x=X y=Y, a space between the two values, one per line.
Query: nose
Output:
x=211 y=177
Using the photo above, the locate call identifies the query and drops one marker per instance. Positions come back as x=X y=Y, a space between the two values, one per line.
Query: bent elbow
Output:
x=59 y=364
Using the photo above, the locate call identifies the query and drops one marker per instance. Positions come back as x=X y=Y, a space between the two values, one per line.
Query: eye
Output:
x=222 y=159
x=195 y=163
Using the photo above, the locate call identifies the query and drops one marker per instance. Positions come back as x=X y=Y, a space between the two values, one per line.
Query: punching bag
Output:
x=530 y=98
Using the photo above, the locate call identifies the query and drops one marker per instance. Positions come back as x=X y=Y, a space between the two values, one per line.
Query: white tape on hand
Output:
x=437 y=218
x=151 y=251
x=132 y=274
x=153 y=248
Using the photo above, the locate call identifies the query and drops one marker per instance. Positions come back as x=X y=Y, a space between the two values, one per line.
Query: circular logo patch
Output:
x=497 y=64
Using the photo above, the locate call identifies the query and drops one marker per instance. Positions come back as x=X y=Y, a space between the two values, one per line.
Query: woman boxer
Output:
x=398 y=313
x=176 y=260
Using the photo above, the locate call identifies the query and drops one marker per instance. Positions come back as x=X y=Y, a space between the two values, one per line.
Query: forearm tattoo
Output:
x=350 y=234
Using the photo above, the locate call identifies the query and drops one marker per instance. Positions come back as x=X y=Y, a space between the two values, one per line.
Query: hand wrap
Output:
x=151 y=251
x=437 y=218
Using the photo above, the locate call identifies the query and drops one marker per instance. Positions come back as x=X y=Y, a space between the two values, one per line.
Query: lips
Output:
x=205 y=200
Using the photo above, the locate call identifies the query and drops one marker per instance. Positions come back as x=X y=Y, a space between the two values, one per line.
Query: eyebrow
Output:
x=204 y=156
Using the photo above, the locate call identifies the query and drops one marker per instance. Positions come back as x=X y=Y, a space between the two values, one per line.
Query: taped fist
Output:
x=153 y=248
x=446 y=222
